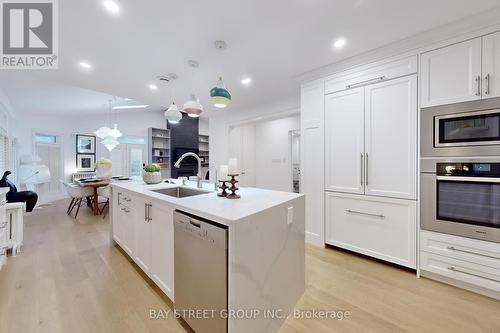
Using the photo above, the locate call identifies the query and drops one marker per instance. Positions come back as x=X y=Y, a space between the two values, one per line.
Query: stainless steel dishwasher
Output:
x=200 y=251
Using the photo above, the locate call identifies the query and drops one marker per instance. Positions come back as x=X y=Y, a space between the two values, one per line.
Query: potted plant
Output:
x=152 y=174
x=104 y=169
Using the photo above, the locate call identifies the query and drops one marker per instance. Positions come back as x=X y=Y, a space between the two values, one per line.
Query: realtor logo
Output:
x=29 y=34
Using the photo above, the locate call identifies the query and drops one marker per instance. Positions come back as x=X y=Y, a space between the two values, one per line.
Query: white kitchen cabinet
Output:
x=451 y=74
x=479 y=278
x=468 y=263
x=344 y=141
x=118 y=226
x=162 y=244
x=371 y=139
x=390 y=139
x=127 y=215
x=371 y=73
x=312 y=110
x=3 y=227
x=141 y=227
x=383 y=228
x=491 y=65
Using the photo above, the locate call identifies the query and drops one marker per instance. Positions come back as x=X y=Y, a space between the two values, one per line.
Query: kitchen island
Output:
x=266 y=244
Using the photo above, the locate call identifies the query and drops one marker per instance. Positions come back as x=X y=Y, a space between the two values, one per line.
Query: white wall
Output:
x=204 y=126
x=219 y=124
x=273 y=168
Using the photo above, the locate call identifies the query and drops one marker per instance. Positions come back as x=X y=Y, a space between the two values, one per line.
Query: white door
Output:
x=127 y=160
x=51 y=156
x=491 y=65
x=452 y=74
x=344 y=141
x=312 y=115
x=142 y=232
x=162 y=266
x=391 y=138
x=242 y=146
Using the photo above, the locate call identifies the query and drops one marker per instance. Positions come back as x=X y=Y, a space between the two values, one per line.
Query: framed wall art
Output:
x=85 y=144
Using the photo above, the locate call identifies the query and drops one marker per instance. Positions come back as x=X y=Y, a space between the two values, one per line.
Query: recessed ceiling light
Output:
x=246 y=81
x=84 y=64
x=339 y=43
x=153 y=87
x=123 y=107
x=111 y=6
x=127 y=99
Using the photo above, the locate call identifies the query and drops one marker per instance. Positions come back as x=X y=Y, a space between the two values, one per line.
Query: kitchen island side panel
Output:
x=266 y=266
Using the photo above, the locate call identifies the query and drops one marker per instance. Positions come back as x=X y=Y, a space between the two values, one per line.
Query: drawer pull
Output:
x=452 y=248
x=362 y=213
x=362 y=83
x=454 y=269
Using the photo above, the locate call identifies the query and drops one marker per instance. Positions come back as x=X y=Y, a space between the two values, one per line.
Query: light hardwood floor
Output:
x=68 y=279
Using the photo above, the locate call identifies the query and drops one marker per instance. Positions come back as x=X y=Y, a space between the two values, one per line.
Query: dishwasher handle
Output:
x=195 y=223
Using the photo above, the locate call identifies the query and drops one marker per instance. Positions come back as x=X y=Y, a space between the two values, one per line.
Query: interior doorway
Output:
x=128 y=159
x=242 y=146
x=295 y=159
x=263 y=148
x=49 y=148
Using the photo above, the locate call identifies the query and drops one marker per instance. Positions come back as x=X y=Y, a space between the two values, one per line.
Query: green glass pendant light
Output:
x=220 y=95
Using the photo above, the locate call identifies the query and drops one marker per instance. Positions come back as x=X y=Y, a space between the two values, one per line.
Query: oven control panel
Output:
x=468 y=169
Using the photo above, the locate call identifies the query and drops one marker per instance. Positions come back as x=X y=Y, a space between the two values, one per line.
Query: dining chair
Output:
x=105 y=193
x=77 y=194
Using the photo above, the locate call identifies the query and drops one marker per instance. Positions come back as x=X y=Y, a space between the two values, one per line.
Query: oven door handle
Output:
x=470 y=179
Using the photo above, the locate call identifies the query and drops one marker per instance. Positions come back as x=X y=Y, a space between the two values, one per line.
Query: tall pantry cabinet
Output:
x=370 y=160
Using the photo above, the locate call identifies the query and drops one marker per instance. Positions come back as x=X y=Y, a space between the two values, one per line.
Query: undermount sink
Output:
x=180 y=192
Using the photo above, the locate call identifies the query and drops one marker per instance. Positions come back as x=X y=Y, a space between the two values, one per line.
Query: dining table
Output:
x=95 y=184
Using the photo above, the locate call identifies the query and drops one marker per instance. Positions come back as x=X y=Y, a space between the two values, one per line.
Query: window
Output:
x=132 y=140
x=4 y=152
x=45 y=138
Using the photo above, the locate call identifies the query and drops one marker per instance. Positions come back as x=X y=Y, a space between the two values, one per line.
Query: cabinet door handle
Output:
x=354 y=85
x=454 y=269
x=361 y=169
x=366 y=169
x=149 y=212
x=487 y=79
x=478 y=82
x=452 y=248
x=363 y=213
x=146 y=212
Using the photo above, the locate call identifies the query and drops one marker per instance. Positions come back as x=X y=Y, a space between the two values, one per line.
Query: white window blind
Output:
x=4 y=152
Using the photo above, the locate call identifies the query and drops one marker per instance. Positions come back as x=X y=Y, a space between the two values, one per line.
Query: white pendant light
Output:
x=109 y=135
x=193 y=107
x=110 y=143
x=115 y=132
x=173 y=115
x=102 y=132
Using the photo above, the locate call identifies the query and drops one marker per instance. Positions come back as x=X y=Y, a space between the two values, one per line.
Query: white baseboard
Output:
x=314 y=239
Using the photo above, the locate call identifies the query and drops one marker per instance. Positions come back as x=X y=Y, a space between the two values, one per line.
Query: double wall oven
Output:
x=460 y=169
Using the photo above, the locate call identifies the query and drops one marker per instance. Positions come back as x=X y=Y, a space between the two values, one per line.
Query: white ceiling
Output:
x=271 y=41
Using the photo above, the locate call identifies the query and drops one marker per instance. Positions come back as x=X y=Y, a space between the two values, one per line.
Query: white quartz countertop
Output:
x=209 y=205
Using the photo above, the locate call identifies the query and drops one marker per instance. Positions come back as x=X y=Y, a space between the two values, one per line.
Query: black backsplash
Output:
x=184 y=137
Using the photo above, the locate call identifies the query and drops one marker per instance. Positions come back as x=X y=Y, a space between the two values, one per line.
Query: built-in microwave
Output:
x=461 y=198
x=462 y=129
x=475 y=128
